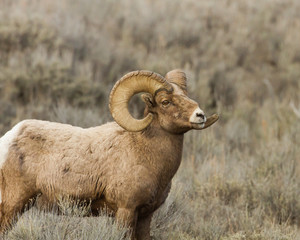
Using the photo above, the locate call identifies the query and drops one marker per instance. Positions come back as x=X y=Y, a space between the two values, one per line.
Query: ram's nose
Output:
x=201 y=116
x=198 y=116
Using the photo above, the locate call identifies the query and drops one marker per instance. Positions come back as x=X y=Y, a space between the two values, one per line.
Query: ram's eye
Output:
x=165 y=103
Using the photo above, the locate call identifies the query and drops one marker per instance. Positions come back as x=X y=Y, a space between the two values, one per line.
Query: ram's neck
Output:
x=165 y=149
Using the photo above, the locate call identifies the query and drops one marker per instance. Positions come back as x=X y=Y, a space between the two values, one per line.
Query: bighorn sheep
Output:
x=125 y=166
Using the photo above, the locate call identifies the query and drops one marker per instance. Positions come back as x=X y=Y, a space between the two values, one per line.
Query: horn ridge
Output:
x=129 y=85
x=178 y=77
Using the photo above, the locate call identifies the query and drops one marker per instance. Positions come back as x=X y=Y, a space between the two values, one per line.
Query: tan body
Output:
x=128 y=172
x=101 y=163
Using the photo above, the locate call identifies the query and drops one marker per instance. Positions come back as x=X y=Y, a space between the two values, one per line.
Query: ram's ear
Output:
x=148 y=99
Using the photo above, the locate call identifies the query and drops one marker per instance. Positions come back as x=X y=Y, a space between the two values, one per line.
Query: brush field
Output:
x=239 y=179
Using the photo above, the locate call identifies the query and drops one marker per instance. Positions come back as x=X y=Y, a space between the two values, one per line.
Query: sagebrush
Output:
x=239 y=179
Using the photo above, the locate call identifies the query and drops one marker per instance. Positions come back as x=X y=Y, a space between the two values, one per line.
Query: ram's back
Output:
x=77 y=161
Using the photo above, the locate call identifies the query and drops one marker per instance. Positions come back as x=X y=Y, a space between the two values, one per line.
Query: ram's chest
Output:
x=153 y=204
x=138 y=189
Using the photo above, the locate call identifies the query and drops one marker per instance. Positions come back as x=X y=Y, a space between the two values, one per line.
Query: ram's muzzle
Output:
x=209 y=121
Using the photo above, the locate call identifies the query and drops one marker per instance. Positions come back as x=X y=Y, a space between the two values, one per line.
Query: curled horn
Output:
x=178 y=77
x=129 y=85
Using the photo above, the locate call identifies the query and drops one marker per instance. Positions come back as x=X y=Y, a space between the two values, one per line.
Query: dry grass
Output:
x=238 y=180
x=71 y=224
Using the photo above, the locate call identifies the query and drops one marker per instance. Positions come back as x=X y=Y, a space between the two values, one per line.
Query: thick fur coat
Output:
x=128 y=173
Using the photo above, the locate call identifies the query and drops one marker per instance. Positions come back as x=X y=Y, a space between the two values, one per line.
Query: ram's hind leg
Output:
x=14 y=200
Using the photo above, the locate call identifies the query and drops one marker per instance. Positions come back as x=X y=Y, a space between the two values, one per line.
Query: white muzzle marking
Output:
x=196 y=117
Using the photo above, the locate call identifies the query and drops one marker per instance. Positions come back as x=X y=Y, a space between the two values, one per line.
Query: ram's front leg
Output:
x=143 y=228
x=127 y=217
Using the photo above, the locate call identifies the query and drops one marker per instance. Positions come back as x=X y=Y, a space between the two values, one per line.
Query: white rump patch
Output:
x=194 y=118
x=5 y=143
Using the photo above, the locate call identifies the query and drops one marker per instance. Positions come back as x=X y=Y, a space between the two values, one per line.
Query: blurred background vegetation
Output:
x=238 y=180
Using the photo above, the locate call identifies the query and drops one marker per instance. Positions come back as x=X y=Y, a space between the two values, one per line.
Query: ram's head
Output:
x=166 y=101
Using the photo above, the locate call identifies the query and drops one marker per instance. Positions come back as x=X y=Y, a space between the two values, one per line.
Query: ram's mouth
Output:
x=209 y=121
x=198 y=124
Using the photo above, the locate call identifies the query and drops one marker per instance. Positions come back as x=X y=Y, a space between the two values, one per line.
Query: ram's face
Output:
x=166 y=101
x=176 y=112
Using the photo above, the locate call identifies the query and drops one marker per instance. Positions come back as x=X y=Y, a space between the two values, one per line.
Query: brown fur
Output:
x=128 y=172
